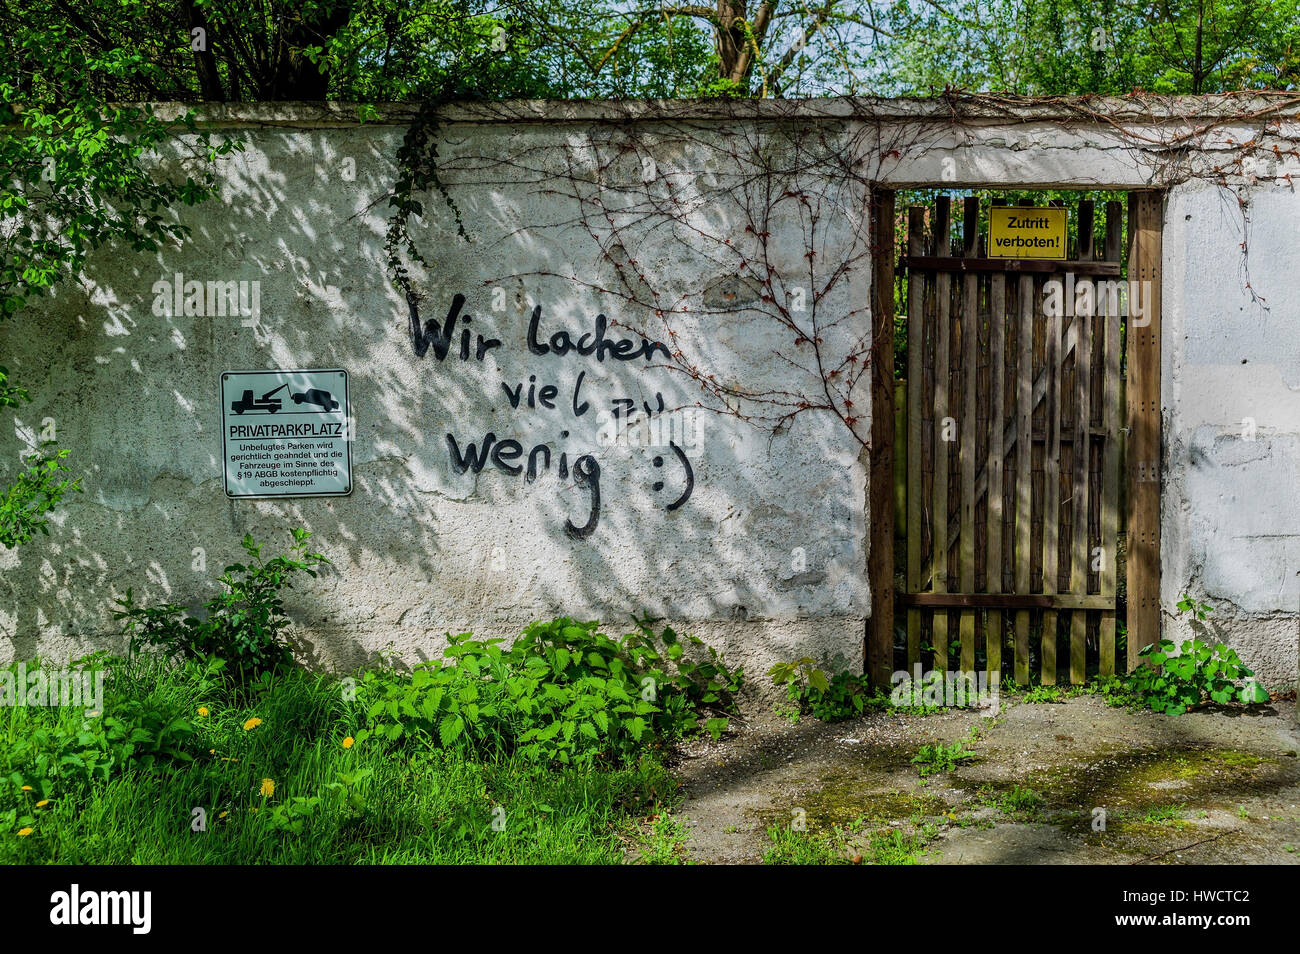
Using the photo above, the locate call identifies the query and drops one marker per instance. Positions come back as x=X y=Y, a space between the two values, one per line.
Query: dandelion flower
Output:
x=42 y=803
x=348 y=742
x=223 y=814
x=27 y=788
x=268 y=788
x=24 y=832
x=252 y=724
x=203 y=710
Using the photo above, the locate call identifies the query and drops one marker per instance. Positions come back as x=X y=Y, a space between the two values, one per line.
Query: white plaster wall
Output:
x=418 y=549
x=1231 y=526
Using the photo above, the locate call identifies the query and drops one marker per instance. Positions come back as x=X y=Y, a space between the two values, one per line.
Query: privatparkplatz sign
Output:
x=286 y=433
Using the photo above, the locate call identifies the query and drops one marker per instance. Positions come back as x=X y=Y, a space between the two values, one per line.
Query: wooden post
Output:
x=1024 y=462
x=880 y=560
x=1024 y=465
x=994 y=491
x=1145 y=219
x=1052 y=494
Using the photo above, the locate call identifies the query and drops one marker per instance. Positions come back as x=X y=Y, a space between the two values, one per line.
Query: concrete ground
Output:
x=1217 y=786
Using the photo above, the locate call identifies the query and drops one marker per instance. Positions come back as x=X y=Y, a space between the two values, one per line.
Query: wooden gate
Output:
x=1013 y=452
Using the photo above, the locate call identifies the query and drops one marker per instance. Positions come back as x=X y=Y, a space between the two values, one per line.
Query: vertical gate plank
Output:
x=915 y=410
x=1110 y=449
x=967 y=441
x=1081 y=457
x=1051 y=492
x=1024 y=466
x=942 y=370
x=997 y=420
x=880 y=640
x=1145 y=217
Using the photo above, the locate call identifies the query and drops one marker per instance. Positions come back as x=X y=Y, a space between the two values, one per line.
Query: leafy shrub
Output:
x=41 y=484
x=563 y=692
x=244 y=624
x=1176 y=679
x=1180 y=679
x=1044 y=694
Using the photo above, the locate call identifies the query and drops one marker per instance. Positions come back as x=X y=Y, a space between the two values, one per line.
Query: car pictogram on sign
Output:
x=316 y=396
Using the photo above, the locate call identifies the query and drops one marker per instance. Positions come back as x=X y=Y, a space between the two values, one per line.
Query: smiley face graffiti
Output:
x=689 y=471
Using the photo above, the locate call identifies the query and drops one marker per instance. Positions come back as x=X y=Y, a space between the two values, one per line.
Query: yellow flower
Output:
x=268 y=788
x=252 y=724
x=24 y=832
x=42 y=803
x=212 y=751
x=27 y=788
x=203 y=710
x=347 y=743
x=223 y=814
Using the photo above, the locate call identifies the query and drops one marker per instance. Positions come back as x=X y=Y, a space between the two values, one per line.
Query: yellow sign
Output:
x=1027 y=232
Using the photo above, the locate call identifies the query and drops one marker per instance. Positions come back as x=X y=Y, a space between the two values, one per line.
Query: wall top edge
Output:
x=999 y=109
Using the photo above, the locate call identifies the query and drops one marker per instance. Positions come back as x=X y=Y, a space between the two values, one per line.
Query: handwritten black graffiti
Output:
x=507 y=456
x=690 y=476
x=586 y=473
x=561 y=343
x=439 y=336
x=586 y=470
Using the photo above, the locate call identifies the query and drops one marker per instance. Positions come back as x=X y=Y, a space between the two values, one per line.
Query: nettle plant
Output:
x=564 y=692
x=828 y=698
x=244 y=624
x=1179 y=678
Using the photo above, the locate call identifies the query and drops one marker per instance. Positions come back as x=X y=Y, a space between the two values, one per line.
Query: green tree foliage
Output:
x=371 y=51
x=75 y=175
x=1074 y=47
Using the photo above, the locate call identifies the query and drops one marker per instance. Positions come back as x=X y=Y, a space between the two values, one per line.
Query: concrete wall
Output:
x=619 y=209
x=1232 y=416
x=767 y=556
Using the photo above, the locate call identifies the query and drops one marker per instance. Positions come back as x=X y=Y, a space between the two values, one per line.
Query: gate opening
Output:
x=1023 y=463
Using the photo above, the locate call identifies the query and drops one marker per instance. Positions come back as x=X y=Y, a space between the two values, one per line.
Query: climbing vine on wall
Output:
x=735 y=201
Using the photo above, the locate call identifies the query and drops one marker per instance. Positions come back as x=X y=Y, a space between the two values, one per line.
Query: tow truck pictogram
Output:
x=266 y=403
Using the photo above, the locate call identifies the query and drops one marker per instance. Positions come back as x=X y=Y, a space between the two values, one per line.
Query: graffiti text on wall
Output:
x=457 y=338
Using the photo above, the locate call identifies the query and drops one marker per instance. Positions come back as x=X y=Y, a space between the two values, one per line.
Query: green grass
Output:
x=853 y=845
x=372 y=803
x=1164 y=813
x=932 y=759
